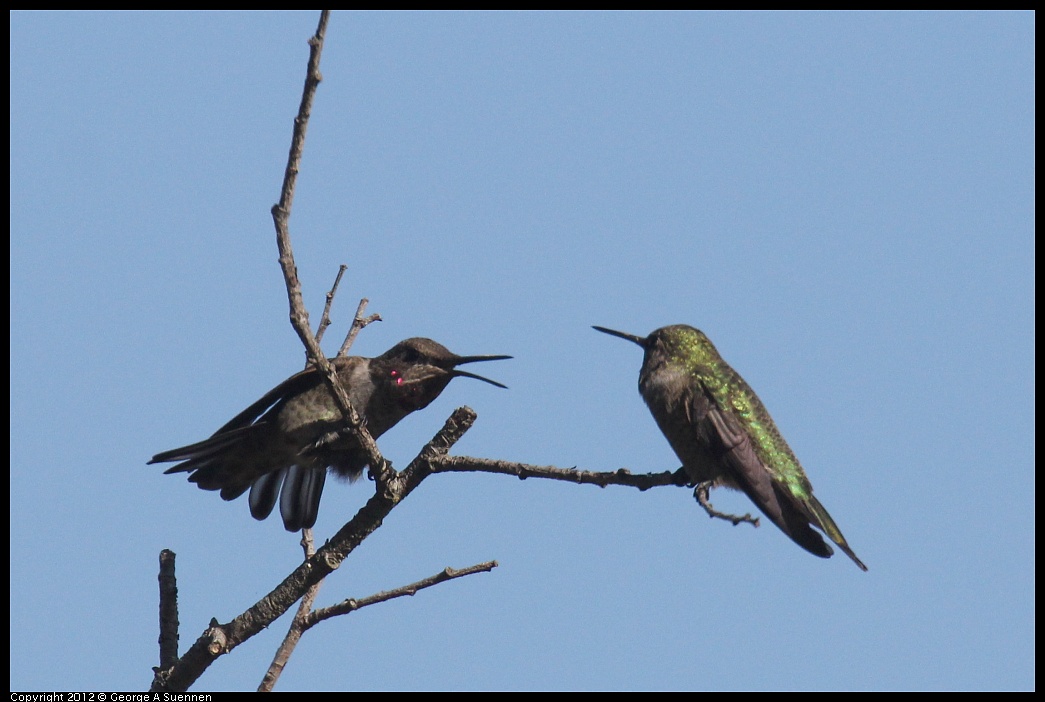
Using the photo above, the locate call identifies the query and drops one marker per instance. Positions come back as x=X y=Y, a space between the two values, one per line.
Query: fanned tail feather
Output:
x=264 y=492
x=299 y=501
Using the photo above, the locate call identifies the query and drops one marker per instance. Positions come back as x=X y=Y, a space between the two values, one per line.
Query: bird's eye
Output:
x=397 y=377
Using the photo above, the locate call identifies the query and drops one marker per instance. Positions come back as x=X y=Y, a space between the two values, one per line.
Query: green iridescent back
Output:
x=691 y=348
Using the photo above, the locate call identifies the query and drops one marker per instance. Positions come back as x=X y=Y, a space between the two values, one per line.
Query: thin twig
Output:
x=298 y=625
x=352 y=604
x=359 y=322
x=622 y=476
x=281 y=211
x=324 y=321
x=447 y=464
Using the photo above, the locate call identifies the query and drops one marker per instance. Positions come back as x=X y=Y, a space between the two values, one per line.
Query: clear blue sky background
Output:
x=843 y=202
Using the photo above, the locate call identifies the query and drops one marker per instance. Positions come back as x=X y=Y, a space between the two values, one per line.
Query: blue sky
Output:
x=844 y=203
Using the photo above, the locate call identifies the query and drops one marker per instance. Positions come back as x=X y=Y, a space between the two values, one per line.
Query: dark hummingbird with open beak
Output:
x=724 y=436
x=282 y=445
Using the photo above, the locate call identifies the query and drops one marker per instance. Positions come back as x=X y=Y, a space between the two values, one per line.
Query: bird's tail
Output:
x=235 y=460
x=829 y=527
x=229 y=461
x=299 y=490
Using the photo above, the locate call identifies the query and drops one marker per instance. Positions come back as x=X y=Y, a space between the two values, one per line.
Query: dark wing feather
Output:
x=747 y=471
x=241 y=452
x=201 y=451
x=295 y=384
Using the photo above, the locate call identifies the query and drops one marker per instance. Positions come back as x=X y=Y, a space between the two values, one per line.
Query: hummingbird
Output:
x=724 y=436
x=282 y=445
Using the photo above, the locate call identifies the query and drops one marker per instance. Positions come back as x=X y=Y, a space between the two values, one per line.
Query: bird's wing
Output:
x=728 y=438
x=201 y=451
x=295 y=384
x=235 y=455
x=228 y=461
x=241 y=455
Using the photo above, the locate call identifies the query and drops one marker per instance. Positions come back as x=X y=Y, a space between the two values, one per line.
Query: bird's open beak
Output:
x=475 y=359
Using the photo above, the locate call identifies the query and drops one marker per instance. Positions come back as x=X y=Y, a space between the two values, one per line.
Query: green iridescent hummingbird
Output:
x=724 y=436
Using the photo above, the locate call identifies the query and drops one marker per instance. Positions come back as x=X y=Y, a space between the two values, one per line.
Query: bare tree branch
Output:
x=352 y=604
x=359 y=322
x=168 y=610
x=281 y=219
x=297 y=625
x=281 y=211
x=324 y=321
x=622 y=476
x=220 y=639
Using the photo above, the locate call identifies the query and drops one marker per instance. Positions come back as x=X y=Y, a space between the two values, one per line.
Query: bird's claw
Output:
x=701 y=494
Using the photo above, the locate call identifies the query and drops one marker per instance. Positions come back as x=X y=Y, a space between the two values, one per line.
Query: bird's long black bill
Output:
x=640 y=340
x=461 y=360
x=465 y=374
x=475 y=359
